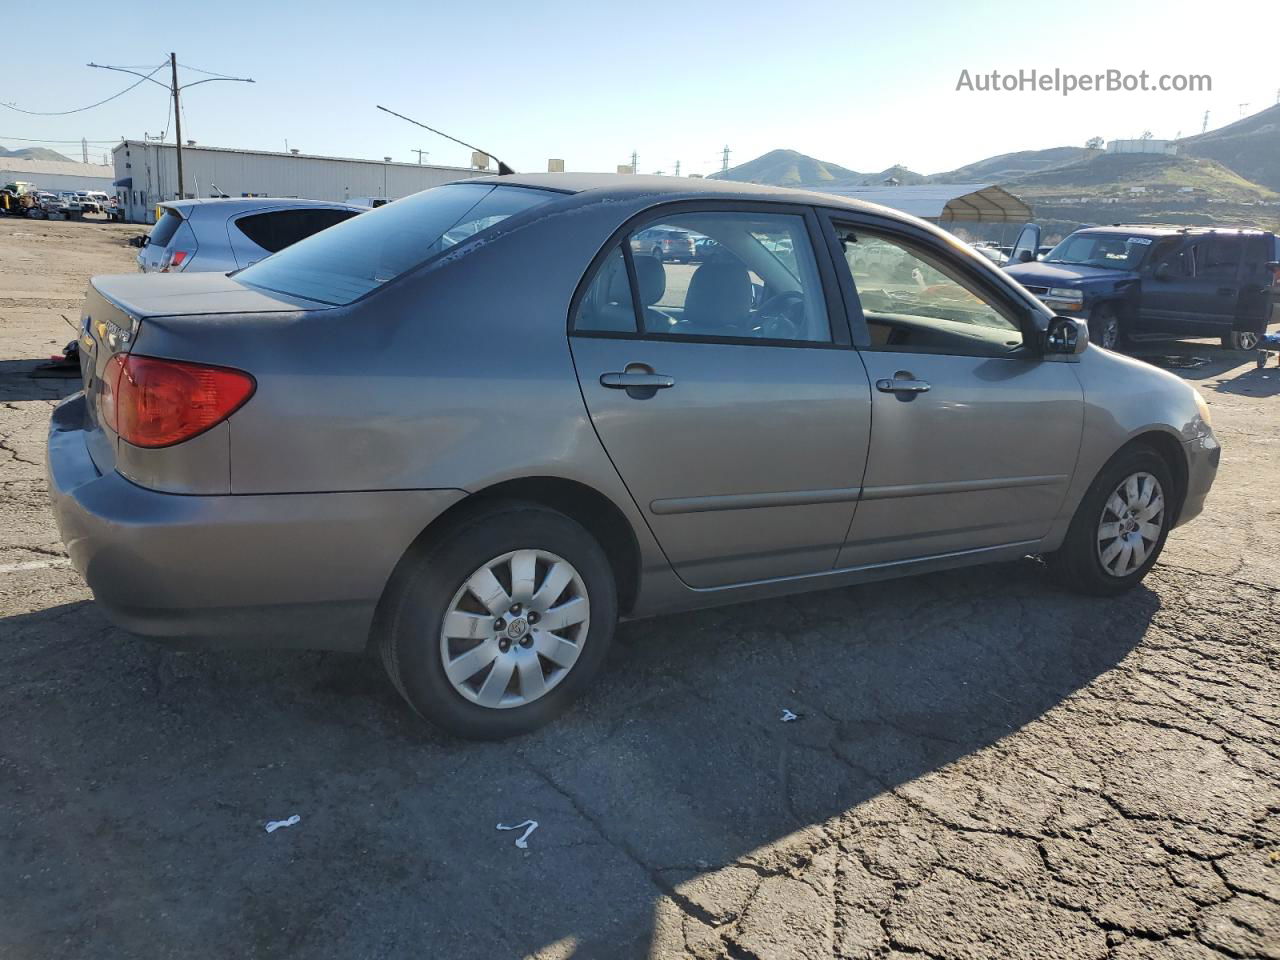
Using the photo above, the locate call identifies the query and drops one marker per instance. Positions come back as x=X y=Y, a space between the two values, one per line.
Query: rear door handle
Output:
x=624 y=381
x=902 y=386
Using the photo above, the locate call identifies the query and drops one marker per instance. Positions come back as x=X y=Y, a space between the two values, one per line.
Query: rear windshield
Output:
x=346 y=261
x=164 y=229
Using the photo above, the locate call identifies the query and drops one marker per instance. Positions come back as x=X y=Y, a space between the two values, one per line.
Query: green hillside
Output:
x=788 y=168
x=1250 y=147
x=1006 y=166
x=1106 y=174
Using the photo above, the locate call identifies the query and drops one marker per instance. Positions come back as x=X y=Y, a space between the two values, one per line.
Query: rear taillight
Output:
x=157 y=403
x=175 y=261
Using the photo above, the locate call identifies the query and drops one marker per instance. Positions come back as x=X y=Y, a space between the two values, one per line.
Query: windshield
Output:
x=1113 y=251
x=341 y=264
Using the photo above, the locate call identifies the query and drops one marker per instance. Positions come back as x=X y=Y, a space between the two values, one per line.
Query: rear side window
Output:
x=340 y=265
x=164 y=229
x=277 y=229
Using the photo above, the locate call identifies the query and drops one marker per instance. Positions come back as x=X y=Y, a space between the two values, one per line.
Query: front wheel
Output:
x=1120 y=527
x=1104 y=328
x=493 y=628
x=1240 y=340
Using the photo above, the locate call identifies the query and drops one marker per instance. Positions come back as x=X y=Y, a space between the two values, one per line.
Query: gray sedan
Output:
x=469 y=430
x=225 y=234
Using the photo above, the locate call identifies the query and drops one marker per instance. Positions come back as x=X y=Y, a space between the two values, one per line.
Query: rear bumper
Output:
x=292 y=570
x=1203 y=456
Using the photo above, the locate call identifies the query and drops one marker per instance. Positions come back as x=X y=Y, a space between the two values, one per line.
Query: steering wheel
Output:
x=781 y=317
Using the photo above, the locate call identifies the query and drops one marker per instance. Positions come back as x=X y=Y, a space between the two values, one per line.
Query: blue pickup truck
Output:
x=1145 y=281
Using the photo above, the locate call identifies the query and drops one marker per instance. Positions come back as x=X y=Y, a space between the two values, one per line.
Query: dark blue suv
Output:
x=1137 y=282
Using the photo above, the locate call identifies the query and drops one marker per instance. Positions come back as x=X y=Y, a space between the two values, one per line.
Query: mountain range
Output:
x=32 y=153
x=1234 y=166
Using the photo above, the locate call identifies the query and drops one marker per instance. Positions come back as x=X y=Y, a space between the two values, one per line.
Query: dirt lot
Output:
x=983 y=766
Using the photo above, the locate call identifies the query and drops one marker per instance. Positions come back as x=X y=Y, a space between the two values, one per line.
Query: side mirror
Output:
x=1026 y=256
x=1066 y=336
x=1161 y=271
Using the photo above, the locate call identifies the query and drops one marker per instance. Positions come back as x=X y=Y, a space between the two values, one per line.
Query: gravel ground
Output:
x=983 y=766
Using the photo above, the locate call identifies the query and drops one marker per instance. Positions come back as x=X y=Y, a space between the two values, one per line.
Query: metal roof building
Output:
x=945 y=202
x=56 y=175
x=146 y=173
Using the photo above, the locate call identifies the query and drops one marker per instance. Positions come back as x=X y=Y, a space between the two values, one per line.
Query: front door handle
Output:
x=902 y=386
x=625 y=381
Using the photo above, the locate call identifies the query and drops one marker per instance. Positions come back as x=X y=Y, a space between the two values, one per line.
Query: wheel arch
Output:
x=1169 y=448
x=594 y=511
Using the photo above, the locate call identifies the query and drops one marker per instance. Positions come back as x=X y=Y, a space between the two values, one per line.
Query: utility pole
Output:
x=677 y=168
x=724 y=159
x=84 y=150
x=173 y=90
x=1242 y=108
x=421 y=154
x=177 y=120
x=635 y=160
x=1205 y=125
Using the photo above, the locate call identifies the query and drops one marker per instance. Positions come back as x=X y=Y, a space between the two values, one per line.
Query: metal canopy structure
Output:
x=945 y=202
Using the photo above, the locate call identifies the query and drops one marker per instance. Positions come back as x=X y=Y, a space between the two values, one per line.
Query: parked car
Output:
x=991 y=252
x=222 y=235
x=381 y=439
x=1144 y=282
x=674 y=246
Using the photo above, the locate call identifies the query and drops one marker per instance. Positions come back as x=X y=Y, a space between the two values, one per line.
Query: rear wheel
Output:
x=495 y=627
x=1240 y=340
x=1121 y=525
x=1104 y=327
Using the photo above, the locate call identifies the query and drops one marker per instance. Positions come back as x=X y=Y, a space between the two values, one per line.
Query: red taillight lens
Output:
x=158 y=403
x=176 y=260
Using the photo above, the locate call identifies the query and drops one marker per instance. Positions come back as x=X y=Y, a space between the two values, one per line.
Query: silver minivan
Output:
x=227 y=234
x=469 y=430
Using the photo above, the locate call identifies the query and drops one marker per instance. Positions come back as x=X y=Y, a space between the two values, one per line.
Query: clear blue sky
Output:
x=864 y=85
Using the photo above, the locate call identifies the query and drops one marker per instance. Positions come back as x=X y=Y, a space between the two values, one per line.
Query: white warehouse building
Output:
x=146 y=173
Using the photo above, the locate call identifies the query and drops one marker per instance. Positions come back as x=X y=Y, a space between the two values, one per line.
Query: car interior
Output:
x=911 y=302
x=755 y=278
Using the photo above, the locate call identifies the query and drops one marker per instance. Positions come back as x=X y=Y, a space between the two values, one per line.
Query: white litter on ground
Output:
x=522 y=841
x=35 y=565
x=788 y=716
x=275 y=825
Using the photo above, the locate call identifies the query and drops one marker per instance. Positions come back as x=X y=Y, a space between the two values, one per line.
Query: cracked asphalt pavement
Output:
x=983 y=765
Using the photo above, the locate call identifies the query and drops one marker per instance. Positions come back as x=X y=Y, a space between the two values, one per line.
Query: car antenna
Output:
x=503 y=169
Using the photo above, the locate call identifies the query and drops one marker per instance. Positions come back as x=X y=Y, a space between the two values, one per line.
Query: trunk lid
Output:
x=116 y=308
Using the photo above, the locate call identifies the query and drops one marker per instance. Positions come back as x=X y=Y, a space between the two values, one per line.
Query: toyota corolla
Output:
x=469 y=430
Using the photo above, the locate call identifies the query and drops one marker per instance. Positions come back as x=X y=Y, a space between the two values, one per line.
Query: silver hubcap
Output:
x=1130 y=524
x=515 y=629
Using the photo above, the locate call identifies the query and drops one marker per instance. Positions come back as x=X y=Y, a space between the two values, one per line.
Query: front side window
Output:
x=914 y=302
x=339 y=265
x=738 y=276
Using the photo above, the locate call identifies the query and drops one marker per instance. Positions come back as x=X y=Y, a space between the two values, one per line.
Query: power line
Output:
x=35 y=140
x=63 y=113
x=208 y=73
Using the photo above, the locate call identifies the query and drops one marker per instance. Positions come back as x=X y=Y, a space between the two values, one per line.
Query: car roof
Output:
x=232 y=204
x=1168 y=230
x=622 y=186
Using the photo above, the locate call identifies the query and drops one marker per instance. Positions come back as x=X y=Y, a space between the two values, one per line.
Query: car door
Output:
x=1025 y=247
x=975 y=435
x=1197 y=293
x=736 y=413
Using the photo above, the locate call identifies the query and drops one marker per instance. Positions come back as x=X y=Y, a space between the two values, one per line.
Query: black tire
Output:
x=1240 y=340
x=1105 y=325
x=423 y=587
x=1078 y=562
